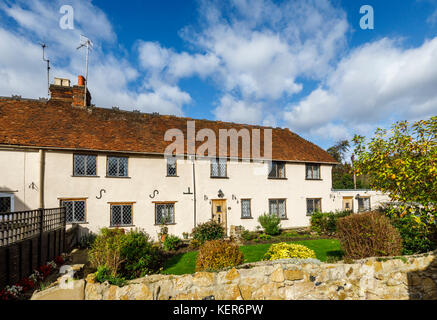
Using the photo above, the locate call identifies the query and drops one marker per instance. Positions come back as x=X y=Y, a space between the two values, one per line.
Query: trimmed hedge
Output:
x=218 y=254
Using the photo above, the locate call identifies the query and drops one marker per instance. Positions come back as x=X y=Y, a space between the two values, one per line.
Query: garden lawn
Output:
x=186 y=262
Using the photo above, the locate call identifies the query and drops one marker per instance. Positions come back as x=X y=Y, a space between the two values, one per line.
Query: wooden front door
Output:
x=348 y=204
x=219 y=212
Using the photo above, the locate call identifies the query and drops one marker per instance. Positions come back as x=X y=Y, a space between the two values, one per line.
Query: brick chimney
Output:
x=62 y=91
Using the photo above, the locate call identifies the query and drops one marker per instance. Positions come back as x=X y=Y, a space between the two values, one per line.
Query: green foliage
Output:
x=218 y=254
x=106 y=250
x=129 y=255
x=326 y=223
x=195 y=244
x=141 y=256
x=402 y=162
x=247 y=235
x=210 y=230
x=416 y=227
x=104 y=274
x=368 y=234
x=287 y=251
x=171 y=242
x=264 y=236
x=270 y=223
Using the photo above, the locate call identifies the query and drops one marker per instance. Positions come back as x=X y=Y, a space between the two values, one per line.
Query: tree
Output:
x=402 y=162
x=342 y=174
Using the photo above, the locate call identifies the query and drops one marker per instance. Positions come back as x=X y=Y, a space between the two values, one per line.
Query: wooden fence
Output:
x=29 y=239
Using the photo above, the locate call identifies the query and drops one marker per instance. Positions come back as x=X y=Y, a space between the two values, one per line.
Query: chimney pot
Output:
x=80 y=80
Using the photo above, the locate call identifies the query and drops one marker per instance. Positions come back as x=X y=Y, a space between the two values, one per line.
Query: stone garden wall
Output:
x=412 y=277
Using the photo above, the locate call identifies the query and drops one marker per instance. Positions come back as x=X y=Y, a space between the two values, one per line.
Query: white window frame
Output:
x=12 y=199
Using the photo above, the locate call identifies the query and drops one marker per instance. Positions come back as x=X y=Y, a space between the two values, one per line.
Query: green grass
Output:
x=186 y=262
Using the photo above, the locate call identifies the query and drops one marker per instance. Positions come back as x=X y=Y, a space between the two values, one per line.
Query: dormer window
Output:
x=277 y=170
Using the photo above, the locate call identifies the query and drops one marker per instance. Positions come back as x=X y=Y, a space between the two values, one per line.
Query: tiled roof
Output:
x=56 y=124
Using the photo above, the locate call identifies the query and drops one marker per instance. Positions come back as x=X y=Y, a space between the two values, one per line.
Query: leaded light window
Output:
x=246 y=211
x=121 y=215
x=117 y=167
x=277 y=170
x=364 y=204
x=164 y=213
x=218 y=168
x=277 y=207
x=5 y=204
x=84 y=165
x=75 y=210
x=314 y=205
x=313 y=171
x=171 y=167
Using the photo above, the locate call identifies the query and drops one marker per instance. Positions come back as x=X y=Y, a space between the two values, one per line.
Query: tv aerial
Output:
x=43 y=45
x=88 y=44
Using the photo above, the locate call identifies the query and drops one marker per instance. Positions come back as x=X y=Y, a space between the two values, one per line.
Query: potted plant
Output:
x=185 y=235
x=164 y=229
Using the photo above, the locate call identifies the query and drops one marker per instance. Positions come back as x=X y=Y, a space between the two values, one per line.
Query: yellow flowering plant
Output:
x=287 y=251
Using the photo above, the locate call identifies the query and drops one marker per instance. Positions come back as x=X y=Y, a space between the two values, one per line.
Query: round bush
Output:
x=218 y=254
x=287 y=251
x=367 y=235
x=210 y=230
x=171 y=242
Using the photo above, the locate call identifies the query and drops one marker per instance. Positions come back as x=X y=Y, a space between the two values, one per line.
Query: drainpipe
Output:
x=194 y=190
x=41 y=177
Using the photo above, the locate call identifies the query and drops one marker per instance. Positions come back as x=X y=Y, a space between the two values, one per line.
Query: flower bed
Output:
x=18 y=290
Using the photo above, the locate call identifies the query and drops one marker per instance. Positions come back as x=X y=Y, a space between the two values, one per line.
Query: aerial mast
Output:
x=43 y=45
x=85 y=42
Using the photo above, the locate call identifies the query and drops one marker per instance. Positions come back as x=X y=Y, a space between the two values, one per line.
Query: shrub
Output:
x=103 y=274
x=129 y=255
x=326 y=223
x=287 y=251
x=218 y=254
x=416 y=233
x=247 y=235
x=194 y=244
x=270 y=223
x=171 y=242
x=368 y=234
x=141 y=256
x=210 y=230
x=87 y=240
x=106 y=250
x=264 y=236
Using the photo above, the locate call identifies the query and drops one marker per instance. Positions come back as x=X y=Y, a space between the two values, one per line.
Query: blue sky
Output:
x=302 y=64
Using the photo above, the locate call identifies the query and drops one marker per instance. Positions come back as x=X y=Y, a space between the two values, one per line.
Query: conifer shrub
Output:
x=368 y=234
x=218 y=254
x=270 y=223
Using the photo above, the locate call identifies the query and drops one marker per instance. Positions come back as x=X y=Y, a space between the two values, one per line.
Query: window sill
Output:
x=277 y=178
x=167 y=224
x=117 y=177
x=72 y=223
x=76 y=176
x=219 y=177
x=248 y=218
x=167 y=176
x=313 y=179
x=123 y=226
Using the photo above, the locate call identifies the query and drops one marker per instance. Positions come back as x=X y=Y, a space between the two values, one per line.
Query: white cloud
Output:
x=230 y=109
x=377 y=82
x=112 y=80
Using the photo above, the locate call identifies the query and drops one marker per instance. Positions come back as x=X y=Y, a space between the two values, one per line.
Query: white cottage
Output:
x=108 y=168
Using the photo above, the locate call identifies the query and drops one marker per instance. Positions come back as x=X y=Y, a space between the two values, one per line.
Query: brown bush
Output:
x=368 y=234
x=218 y=254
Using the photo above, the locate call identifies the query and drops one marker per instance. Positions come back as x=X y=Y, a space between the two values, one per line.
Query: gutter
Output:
x=194 y=191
